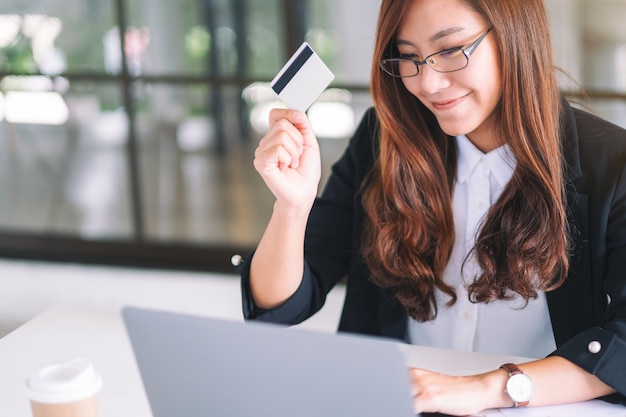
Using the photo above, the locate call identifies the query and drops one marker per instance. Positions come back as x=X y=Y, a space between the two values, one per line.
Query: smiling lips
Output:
x=447 y=104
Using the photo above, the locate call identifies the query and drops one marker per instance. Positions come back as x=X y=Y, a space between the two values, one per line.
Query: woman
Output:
x=473 y=209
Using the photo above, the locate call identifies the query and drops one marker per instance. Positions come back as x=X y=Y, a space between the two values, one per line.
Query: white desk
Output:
x=61 y=334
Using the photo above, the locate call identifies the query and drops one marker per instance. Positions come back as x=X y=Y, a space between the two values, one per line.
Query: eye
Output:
x=413 y=57
x=451 y=52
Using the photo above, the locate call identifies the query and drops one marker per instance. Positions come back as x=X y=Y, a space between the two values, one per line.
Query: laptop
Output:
x=195 y=366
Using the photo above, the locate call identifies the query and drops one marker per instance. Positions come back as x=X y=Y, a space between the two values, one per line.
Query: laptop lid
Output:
x=194 y=366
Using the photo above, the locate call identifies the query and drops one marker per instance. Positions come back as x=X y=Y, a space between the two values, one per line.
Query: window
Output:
x=128 y=127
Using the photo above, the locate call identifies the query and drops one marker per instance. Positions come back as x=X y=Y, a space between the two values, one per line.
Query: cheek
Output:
x=492 y=77
x=486 y=82
x=493 y=87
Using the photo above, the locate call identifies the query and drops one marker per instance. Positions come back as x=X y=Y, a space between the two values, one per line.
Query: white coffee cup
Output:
x=65 y=389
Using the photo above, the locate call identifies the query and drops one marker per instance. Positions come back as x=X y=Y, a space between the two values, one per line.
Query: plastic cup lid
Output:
x=64 y=382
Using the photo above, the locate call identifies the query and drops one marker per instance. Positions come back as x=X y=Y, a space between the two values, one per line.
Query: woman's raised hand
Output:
x=288 y=159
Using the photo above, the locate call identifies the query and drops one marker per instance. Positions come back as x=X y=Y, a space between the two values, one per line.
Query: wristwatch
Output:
x=519 y=386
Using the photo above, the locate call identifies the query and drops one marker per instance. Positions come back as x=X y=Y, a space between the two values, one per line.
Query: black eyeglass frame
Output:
x=467 y=51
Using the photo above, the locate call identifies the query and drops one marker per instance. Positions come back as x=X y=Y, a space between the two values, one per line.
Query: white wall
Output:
x=567 y=38
x=29 y=288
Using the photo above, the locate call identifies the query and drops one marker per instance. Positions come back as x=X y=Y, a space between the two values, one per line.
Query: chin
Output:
x=456 y=127
x=453 y=130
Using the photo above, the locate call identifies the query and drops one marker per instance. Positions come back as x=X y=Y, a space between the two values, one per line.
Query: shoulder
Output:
x=364 y=143
x=592 y=143
x=367 y=130
x=594 y=129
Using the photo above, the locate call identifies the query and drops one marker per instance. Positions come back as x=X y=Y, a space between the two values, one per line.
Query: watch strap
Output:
x=513 y=369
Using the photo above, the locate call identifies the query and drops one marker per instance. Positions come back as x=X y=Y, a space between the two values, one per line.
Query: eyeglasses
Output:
x=448 y=60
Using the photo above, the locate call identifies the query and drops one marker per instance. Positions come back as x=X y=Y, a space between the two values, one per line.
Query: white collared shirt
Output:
x=501 y=327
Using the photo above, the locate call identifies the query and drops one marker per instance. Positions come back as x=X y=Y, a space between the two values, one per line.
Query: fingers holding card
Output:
x=288 y=156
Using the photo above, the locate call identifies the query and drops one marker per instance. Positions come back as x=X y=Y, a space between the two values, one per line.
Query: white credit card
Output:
x=303 y=78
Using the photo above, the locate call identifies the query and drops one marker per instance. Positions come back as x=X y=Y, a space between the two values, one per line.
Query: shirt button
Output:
x=481 y=205
x=236 y=260
x=608 y=299
x=594 y=347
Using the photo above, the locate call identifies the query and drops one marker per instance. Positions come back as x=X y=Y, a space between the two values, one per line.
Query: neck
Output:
x=485 y=142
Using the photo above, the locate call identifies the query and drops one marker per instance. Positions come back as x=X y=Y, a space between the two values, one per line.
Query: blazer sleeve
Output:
x=601 y=349
x=328 y=239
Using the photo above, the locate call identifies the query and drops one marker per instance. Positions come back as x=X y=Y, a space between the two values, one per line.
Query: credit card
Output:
x=303 y=79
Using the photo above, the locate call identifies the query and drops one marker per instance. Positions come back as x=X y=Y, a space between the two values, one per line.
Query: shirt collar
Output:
x=500 y=161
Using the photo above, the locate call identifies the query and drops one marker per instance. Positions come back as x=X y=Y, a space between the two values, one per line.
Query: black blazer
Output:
x=589 y=307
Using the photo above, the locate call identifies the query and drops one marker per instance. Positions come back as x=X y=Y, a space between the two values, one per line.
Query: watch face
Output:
x=519 y=387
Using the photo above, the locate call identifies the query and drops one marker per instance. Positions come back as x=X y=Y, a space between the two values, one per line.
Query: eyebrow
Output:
x=446 y=32
x=439 y=35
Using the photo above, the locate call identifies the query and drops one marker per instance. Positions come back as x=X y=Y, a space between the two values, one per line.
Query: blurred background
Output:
x=127 y=127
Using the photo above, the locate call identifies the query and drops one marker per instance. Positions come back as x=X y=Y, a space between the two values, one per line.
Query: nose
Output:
x=430 y=81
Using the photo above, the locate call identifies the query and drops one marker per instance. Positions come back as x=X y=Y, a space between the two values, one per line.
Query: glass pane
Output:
x=265 y=38
x=41 y=36
x=342 y=32
x=196 y=189
x=193 y=191
x=216 y=37
x=63 y=168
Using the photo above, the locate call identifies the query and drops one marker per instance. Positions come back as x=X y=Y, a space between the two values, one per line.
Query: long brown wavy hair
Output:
x=523 y=244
